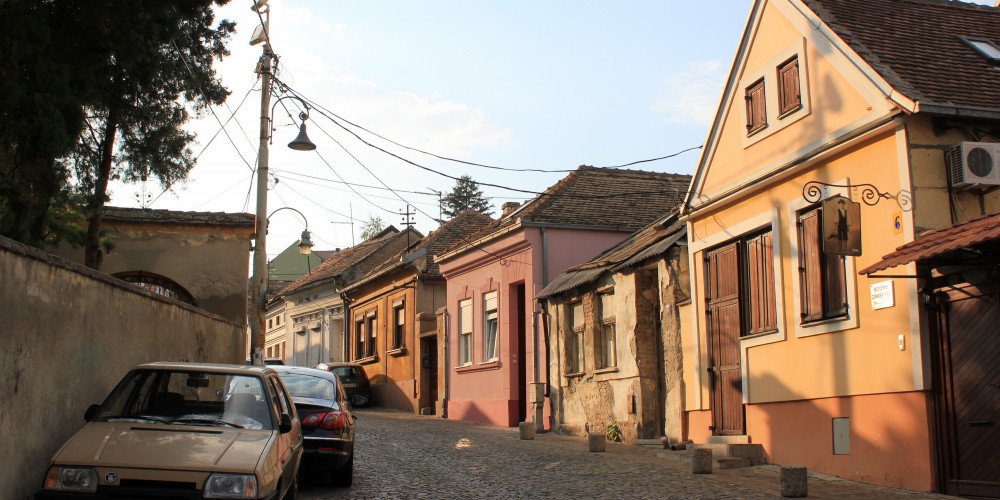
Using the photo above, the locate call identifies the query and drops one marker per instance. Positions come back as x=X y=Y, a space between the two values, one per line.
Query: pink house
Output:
x=495 y=340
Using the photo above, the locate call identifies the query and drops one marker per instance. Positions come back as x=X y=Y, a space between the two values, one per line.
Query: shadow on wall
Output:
x=389 y=393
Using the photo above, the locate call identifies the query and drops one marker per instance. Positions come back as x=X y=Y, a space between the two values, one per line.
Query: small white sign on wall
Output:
x=882 y=295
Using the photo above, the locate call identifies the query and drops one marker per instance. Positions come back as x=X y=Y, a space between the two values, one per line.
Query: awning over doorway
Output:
x=968 y=235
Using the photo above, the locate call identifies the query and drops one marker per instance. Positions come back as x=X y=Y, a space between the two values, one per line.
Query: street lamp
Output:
x=258 y=283
x=305 y=241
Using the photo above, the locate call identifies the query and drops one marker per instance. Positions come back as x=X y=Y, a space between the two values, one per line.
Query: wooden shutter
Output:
x=810 y=262
x=756 y=113
x=761 y=315
x=835 y=286
x=788 y=86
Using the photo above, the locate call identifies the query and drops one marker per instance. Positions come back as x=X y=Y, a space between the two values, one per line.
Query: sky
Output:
x=516 y=84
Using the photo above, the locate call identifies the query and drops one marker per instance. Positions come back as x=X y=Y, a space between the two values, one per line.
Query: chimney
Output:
x=509 y=207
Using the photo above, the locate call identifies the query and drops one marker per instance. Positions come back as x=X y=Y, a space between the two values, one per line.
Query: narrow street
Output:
x=399 y=455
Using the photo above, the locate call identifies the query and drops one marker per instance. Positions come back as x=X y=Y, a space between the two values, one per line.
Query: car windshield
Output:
x=189 y=398
x=347 y=371
x=309 y=386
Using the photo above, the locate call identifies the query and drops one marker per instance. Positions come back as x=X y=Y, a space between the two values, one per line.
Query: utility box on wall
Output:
x=536 y=391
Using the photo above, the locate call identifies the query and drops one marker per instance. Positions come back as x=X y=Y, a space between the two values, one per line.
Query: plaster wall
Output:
x=211 y=263
x=69 y=334
x=319 y=311
x=889 y=438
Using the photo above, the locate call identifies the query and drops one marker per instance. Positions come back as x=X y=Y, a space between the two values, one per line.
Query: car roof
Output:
x=304 y=371
x=205 y=367
x=341 y=363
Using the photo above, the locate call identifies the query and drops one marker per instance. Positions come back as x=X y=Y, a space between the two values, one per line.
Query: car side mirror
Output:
x=285 y=423
x=91 y=411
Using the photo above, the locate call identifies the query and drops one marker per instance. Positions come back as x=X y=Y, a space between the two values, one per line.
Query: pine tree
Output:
x=464 y=196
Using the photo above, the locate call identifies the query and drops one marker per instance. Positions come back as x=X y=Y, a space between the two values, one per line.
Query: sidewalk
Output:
x=761 y=478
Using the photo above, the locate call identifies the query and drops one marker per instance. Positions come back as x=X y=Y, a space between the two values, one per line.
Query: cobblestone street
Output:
x=399 y=455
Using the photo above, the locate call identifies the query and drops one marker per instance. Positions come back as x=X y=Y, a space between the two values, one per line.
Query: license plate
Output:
x=350 y=385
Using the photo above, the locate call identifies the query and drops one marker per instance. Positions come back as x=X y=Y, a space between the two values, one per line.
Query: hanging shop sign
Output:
x=841 y=226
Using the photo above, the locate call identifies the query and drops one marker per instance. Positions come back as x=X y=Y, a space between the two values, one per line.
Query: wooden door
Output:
x=967 y=390
x=723 y=318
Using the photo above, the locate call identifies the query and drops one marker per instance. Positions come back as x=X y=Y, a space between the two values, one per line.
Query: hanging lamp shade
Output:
x=305 y=243
x=302 y=142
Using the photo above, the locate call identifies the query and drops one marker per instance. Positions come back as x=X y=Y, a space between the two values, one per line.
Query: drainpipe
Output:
x=346 y=348
x=540 y=390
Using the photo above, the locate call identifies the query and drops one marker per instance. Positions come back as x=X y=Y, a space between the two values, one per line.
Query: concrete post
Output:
x=527 y=430
x=794 y=483
x=597 y=441
x=701 y=461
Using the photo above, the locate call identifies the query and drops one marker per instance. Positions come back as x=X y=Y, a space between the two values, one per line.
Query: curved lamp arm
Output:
x=305 y=242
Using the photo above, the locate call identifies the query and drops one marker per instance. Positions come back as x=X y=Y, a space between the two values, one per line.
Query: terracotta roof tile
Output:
x=940 y=241
x=148 y=215
x=624 y=200
x=914 y=45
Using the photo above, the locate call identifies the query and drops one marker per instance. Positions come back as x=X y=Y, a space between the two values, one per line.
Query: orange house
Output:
x=884 y=106
x=393 y=324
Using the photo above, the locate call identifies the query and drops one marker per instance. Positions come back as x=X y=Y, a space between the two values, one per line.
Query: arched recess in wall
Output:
x=157 y=284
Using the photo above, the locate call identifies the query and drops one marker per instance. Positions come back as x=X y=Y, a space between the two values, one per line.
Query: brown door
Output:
x=429 y=372
x=723 y=317
x=967 y=371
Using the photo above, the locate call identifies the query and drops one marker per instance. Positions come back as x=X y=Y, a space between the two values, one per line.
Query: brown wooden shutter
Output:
x=788 y=86
x=761 y=315
x=756 y=113
x=810 y=248
x=835 y=301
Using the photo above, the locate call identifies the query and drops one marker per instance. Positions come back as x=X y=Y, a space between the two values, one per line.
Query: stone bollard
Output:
x=701 y=461
x=597 y=441
x=527 y=430
x=794 y=483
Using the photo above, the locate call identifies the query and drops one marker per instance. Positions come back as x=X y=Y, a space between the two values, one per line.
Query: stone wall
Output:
x=68 y=336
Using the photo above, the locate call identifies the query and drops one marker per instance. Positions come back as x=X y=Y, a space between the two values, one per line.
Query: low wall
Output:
x=67 y=336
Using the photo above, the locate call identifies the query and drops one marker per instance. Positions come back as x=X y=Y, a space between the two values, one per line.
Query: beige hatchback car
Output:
x=184 y=430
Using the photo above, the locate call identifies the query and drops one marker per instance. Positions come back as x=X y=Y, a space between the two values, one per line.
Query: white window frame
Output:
x=491 y=326
x=465 y=332
x=608 y=357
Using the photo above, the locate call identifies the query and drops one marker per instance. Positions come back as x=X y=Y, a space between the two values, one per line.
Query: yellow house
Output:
x=846 y=128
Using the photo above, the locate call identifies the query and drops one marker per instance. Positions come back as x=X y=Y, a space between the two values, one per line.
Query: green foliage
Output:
x=465 y=195
x=93 y=91
x=371 y=227
x=614 y=433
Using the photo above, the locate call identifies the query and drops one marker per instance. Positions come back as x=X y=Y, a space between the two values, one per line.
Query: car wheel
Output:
x=344 y=476
x=293 y=490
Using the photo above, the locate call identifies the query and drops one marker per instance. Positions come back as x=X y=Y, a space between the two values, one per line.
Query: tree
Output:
x=464 y=196
x=371 y=227
x=155 y=58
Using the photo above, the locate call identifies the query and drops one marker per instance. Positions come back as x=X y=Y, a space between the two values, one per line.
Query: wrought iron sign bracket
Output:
x=870 y=195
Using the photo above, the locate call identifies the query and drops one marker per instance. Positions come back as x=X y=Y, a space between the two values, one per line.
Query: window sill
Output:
x=399 y=351
x=757 y=130
x=610 y=369
x=759 y=335
x=574 y=375
x=790 y=111
x=366 y=361
x=823 y=326
x=481 y=367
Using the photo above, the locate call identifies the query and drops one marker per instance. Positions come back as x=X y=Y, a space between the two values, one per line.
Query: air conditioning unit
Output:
x=974 y=163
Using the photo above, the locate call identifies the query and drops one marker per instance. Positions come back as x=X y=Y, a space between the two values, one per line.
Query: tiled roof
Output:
x=344 y=260
x=325 y=254
x=422 y=253
x=617 y=199
x=914 y=45
x=147 y=215
x=941 y=241
x=649 y=241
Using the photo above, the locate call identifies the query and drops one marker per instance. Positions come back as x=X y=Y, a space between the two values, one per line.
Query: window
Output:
x=359 y=338
x=740 y=281
x=490 y=326
x=465 y=332
x=822 y=280
x=985 y=48
x=372 y=335
x=606 y=333
x=269 y=323
x=756 y=113
x=788 y=86
x=399 y=327
x=574 y=341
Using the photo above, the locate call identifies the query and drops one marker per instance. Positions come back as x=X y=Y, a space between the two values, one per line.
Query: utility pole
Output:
x=407 y=222
x=440 y=205
x=259 y=282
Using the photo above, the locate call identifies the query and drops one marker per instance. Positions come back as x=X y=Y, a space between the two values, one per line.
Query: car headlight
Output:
x=231 y=486
x=61 y=478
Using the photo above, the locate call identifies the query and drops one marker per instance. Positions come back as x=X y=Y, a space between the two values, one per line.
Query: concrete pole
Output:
x=259 y=281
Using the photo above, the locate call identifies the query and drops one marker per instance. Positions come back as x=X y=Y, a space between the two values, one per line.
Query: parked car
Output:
x=354 y=378
x=327 y=422
x=196 y=430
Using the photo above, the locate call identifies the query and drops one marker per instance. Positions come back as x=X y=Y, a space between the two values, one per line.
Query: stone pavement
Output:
x=401 y=455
